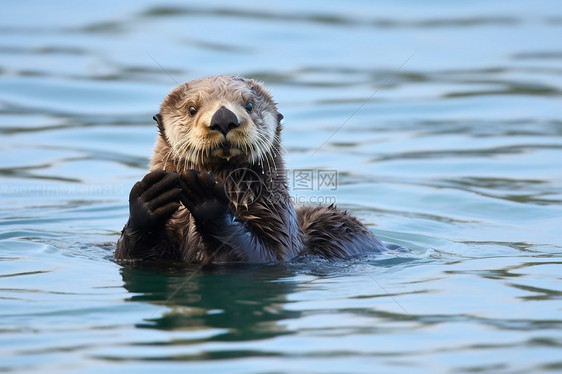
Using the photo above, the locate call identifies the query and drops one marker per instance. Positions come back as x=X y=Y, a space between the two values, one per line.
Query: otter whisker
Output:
x=189 y=153
x=166 y=157
x=179 y=153
x=256 y=145
x=184 y=144
x=264 y=146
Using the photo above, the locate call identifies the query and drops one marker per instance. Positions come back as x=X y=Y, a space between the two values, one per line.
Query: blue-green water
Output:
x=456 y=155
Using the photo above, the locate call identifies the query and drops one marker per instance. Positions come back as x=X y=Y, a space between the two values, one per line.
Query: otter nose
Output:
x=224 y=120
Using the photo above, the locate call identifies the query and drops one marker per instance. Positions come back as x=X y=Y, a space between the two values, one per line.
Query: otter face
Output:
x=219 y=119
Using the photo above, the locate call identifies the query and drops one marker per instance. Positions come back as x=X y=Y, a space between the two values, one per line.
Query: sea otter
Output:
x=217 y=191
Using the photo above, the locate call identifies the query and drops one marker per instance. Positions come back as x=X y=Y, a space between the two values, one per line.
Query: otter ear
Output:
x=279 y=117
x=158 y=118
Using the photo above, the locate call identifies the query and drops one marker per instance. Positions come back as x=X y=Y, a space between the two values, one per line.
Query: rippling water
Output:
x=443 y=122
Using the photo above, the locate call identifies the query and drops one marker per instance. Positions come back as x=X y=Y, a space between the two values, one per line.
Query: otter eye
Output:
x=192 y=111
x=249 y=106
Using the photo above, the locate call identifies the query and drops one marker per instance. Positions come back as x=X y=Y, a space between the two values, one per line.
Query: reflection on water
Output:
x=443 y=123
x=245 y=302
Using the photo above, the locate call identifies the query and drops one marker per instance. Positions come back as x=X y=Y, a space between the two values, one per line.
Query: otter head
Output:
x=218 y=121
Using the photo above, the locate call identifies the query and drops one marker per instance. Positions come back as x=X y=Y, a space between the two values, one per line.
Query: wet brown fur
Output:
x=265 y=207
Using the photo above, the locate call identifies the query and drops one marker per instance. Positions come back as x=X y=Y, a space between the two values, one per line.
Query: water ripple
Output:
x=455 y=157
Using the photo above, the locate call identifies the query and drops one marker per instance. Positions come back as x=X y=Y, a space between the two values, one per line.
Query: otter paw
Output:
x=204 y=197
x=153 y=200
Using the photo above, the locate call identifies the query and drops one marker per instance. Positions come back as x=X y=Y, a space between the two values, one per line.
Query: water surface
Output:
x=442 y=121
